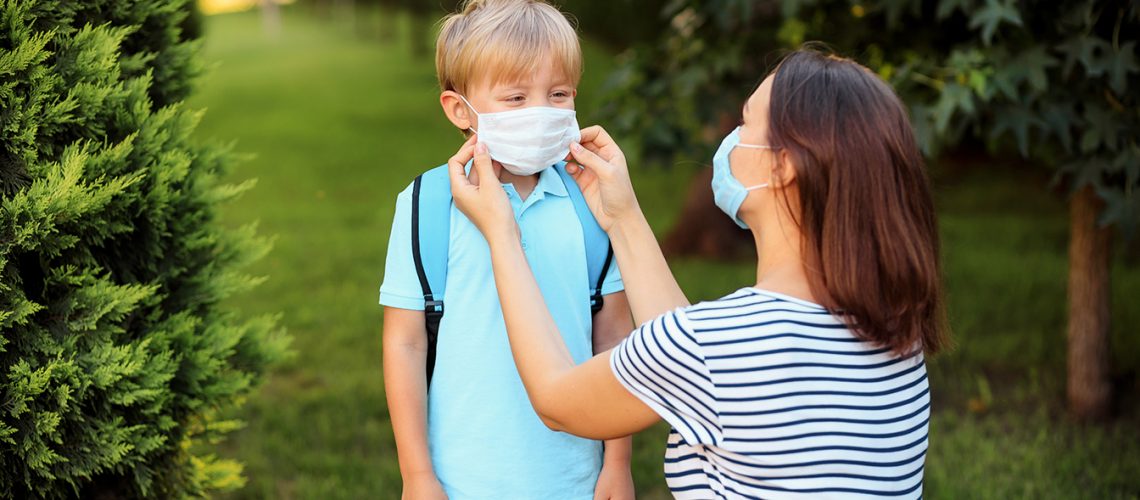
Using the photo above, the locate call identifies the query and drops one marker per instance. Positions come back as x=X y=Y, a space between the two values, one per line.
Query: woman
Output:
x=809 y=384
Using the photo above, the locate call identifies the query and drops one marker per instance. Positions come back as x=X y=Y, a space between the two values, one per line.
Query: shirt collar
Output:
x=549 y=181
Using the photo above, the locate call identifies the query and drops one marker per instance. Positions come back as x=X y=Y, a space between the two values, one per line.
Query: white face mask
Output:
x=528 y=140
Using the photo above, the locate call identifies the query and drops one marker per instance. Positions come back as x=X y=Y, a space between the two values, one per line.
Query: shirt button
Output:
x=524 y=244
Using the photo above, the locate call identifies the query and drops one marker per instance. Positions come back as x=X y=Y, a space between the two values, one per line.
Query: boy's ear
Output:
x=456 y=110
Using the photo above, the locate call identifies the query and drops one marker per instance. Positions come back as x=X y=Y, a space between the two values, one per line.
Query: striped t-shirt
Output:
x=770 y=396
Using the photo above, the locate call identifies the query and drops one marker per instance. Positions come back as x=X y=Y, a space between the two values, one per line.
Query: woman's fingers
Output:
x=583 y=176
x=586 y=158
x=596 y=135
x=457 y=165
x=478 y=193
x=596 y=139
x=483 y=166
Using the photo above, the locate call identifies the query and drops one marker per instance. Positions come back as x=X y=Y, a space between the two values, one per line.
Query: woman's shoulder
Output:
x=753 y=300
x=748 y=310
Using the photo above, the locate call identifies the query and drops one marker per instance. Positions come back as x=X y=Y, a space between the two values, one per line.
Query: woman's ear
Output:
x=784 y=171
x=456 y=110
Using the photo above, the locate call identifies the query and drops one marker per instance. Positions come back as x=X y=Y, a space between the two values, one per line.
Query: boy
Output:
x=508 y=71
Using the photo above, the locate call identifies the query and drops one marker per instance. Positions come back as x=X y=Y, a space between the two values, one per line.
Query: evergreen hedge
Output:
x=118 y=360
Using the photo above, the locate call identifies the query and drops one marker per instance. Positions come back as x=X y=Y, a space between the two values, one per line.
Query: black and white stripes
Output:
x=773 y=397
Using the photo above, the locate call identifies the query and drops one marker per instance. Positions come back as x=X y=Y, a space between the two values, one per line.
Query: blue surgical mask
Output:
x=728 y=192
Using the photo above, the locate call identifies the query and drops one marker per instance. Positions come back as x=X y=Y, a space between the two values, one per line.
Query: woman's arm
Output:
x=649 y=283
x=586 y=400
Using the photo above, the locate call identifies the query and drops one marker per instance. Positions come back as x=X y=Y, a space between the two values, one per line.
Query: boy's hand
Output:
x=423 y=486
x=598 y=166
x=479 y=195
x=614 y=483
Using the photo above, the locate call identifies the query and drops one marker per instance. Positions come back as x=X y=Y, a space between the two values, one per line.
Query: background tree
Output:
x=116 y=356
x=1054 y=82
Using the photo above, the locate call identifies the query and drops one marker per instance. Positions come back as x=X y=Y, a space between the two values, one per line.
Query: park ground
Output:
x=337 y=122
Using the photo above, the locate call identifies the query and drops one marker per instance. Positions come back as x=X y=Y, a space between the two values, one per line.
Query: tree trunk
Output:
x=1089 y=387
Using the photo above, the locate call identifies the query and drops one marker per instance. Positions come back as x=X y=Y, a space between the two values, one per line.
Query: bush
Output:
x=116 y=356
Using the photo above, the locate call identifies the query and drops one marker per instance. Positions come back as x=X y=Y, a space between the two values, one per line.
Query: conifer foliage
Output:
x=117 y=358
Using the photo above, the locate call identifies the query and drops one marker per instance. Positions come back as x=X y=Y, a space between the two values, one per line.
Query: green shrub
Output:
x=116 y=356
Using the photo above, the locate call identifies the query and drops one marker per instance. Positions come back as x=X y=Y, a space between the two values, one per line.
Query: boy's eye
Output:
x=516 y=98
x=560 y=94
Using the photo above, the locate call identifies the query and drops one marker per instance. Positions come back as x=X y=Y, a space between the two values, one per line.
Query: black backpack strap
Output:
x=596 y=300
x=433 y=309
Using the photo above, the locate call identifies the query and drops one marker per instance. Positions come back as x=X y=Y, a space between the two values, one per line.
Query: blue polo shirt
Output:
x=485 y=439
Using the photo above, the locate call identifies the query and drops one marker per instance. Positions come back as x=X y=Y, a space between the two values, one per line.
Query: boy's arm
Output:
x=613 y=324
x=405 y=382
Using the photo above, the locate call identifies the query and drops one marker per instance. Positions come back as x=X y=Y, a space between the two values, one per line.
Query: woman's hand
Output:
x=479 y=195
x=599 y=168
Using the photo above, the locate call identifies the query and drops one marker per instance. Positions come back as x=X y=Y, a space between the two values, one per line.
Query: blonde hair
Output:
x=505 y=40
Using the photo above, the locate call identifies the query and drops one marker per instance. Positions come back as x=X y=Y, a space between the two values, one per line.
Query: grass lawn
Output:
x=340 y=123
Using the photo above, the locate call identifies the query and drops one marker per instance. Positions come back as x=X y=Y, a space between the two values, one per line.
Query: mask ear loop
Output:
x=757 y=146
x=468 y=103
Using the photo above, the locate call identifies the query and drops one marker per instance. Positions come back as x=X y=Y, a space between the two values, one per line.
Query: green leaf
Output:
x=992 y=15
x=1059 y=118
x=1128 y=161
x=1120 y=65
x=1121 y=207
x=1102 y=129
x=954 y=98
x=1100 y=58
x=979 y=82
x=964 y=60
x=1017 y=120
x=1085 y=172
x=1006 y=83
x=1031 y=67
x=972 y=69
x=948 y=7
x=1087 y=50
x=921 y=120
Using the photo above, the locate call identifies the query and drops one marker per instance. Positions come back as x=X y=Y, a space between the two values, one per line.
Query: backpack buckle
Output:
x=596 y=302
x=433 y=307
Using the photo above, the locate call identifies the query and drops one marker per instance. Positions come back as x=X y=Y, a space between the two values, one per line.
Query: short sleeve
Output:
x=401 y=285
x=613 y=282
x=661 y=364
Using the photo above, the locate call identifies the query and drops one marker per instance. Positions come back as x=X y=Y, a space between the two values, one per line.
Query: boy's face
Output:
x=548 y=86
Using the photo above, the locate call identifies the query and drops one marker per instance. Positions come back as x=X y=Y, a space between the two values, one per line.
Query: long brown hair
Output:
x=870 y=238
